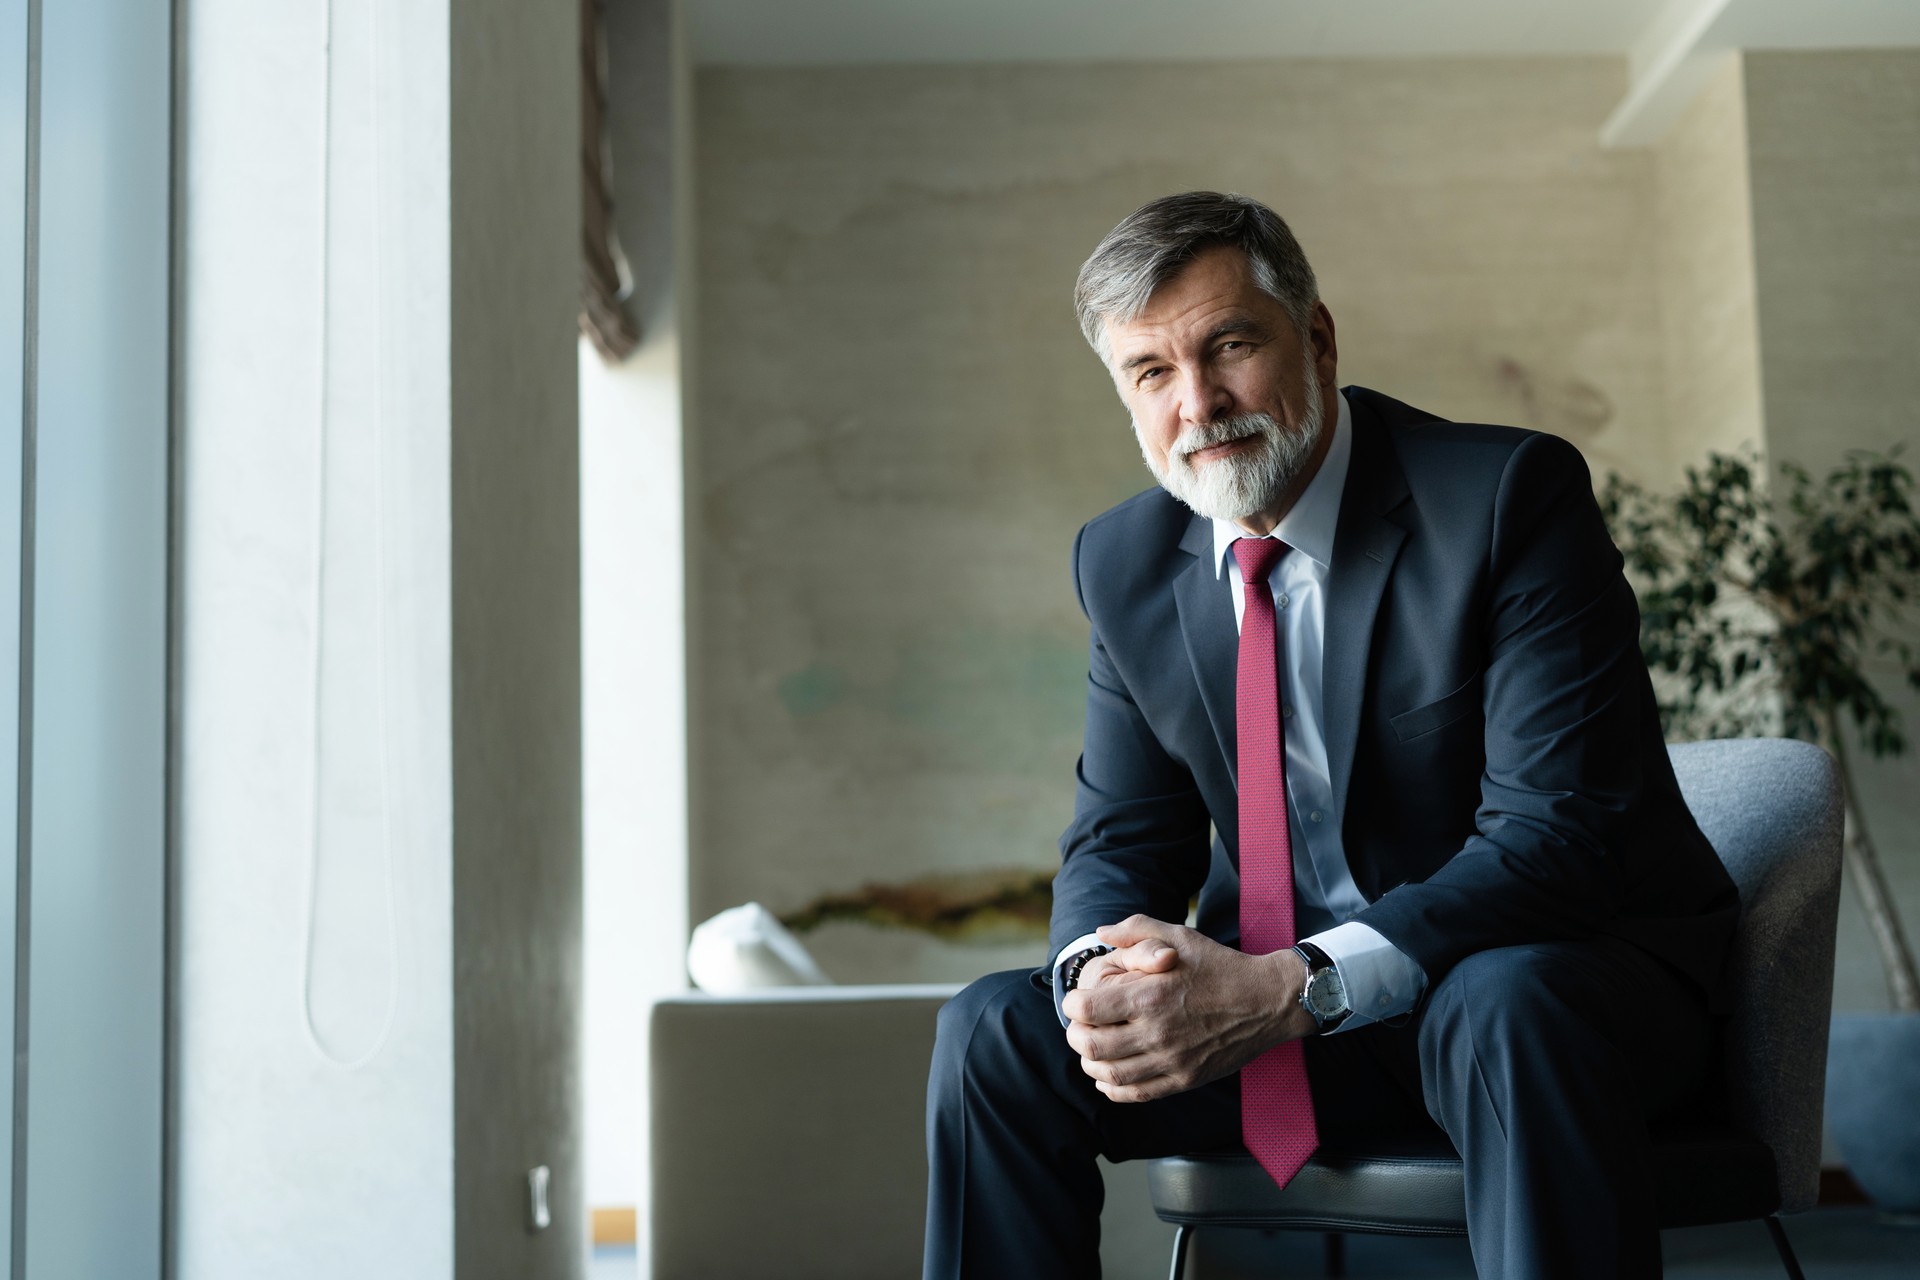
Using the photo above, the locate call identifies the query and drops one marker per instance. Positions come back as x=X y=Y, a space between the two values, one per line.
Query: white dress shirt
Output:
x=1381 y=981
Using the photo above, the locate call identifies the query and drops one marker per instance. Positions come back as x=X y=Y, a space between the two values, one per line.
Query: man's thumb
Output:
x=1138 y=929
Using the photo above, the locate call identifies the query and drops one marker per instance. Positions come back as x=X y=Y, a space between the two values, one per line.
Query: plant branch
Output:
x=1788 y=589
x=1870 y=882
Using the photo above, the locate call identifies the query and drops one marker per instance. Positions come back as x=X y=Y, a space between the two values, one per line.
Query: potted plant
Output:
x=1762 y=610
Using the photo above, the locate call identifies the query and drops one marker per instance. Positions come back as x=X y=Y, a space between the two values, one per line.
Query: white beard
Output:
x=1239 y=484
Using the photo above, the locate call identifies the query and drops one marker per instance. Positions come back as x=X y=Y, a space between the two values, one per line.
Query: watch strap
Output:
x=1318 y=962
x=1316 y=958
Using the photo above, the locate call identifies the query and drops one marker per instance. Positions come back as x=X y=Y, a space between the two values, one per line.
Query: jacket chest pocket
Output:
x=1439 y=713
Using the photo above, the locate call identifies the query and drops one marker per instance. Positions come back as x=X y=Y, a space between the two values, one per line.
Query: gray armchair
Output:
x=1772 y=810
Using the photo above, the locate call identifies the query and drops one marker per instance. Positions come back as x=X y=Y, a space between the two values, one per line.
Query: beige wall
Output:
x=1703 y=244
x=901 y=429
x=1835 y=146
x=1835 y=143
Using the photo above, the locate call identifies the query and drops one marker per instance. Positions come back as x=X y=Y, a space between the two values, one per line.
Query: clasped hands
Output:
x=1170 y=1009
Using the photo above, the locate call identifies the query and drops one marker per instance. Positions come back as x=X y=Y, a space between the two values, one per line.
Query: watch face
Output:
x=1325 y=994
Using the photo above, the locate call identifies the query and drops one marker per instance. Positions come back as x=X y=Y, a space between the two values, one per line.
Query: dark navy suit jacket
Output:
x=1495 y=753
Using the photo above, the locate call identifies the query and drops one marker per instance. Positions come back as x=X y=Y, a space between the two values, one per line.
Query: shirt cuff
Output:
x=1381 y=981
x=1067 y=952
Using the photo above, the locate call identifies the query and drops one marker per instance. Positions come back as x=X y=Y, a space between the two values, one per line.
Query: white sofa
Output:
x=789 y=1140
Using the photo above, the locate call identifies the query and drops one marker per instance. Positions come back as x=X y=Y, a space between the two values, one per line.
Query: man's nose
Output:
x=1204 y=399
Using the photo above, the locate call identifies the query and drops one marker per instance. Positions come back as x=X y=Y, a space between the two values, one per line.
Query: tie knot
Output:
x=1257 y=556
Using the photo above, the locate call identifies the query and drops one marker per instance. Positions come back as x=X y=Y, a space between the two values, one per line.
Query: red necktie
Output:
x=1276 y=1109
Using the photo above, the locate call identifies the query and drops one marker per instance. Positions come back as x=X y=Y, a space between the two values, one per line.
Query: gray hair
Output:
x=1156 y=241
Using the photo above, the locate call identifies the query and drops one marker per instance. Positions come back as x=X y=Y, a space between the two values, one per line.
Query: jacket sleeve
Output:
x=1566 y=701
x=1138 y=839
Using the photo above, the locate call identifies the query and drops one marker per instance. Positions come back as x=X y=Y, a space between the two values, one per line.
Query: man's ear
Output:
x=1325 y=344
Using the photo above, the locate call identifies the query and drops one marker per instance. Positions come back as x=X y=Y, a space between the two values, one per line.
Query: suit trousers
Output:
x=1543 y=1063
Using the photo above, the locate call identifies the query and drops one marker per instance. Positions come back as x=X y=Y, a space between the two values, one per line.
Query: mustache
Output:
x=1241 y=426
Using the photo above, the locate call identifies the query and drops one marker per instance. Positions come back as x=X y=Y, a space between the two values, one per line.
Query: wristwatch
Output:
x=1324 y=996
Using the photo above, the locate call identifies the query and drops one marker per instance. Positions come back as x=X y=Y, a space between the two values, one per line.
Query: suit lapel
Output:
x=1206 y=623
x=1365 y=546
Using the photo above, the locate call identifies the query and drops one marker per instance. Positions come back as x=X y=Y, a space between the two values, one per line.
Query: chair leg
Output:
x=1336 y=1254
x=1180 y=1236
x=1780 y=1243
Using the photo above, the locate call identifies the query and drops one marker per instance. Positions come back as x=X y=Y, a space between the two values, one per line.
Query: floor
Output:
x=613 y=1263
x=1833 y=1244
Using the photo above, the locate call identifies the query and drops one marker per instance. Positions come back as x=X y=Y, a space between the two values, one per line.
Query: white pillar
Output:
x=378 y=878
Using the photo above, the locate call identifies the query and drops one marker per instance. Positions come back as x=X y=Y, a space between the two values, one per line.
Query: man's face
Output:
x=1228 y=401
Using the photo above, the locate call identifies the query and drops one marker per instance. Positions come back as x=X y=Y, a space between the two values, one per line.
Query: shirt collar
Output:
x=1308 y=527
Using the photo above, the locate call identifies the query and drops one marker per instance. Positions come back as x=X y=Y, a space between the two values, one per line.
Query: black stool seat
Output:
x=1414 y=1186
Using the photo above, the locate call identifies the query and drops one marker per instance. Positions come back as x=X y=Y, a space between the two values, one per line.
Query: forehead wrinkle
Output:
x=1241 y=323
x=1170 y=331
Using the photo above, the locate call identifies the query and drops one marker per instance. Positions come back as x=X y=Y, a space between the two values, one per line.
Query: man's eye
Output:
x=1150 y=374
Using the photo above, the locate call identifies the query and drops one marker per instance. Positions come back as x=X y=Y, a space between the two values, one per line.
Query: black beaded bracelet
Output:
x=1079 y=962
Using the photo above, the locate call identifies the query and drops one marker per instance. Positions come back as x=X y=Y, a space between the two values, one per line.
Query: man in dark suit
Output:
x=1391 y=661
